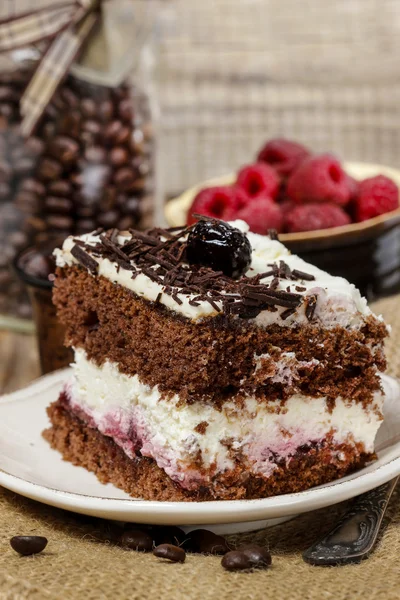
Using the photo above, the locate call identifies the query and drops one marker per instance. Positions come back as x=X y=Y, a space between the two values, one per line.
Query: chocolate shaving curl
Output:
x=85 y=259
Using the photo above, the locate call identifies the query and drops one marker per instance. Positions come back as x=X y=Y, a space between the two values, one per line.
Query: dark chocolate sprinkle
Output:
x=284 y=270
x=108 y=242
x=301 y=275
x=274 y=283
x=176 y=298
x=194 y=303
x=311 y=304
x=264 y=275
x=84 y=259
x=273 y=234
x=287 y=313
x=213 y=304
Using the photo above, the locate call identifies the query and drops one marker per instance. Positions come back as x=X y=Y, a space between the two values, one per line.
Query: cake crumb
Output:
x=201 y=427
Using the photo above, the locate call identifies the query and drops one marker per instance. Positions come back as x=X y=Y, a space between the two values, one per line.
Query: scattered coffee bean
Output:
x=136 y=539
x=236 y=561
x=170 y=552
x=168 y=535
x=28 y=544
x=206 y=542
x=259 y=556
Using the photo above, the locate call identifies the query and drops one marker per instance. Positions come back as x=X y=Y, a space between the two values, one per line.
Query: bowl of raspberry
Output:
x=343 y=217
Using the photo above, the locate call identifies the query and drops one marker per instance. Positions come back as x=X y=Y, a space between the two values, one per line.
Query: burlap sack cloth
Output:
x=78 y=564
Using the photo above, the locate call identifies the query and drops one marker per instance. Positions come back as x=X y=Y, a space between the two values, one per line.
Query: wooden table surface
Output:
x=19 y=362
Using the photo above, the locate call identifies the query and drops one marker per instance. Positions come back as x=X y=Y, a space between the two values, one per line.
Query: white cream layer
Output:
x=135 y=414
x=339 y=302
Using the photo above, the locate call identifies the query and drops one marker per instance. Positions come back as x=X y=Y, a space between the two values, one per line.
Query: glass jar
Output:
x=89 y=164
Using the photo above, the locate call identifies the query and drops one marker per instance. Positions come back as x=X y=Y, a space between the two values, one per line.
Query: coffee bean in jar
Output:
x=88 y=164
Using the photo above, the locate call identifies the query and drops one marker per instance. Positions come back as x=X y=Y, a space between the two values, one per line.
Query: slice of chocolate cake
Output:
x=210 y=363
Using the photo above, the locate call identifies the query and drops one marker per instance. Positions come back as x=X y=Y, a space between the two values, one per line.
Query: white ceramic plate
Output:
x=30 y=467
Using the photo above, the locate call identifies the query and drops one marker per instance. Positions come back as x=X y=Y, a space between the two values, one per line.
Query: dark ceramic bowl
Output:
x=367 y=254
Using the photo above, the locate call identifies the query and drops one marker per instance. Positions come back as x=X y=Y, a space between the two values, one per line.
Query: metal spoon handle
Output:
x=354 y=536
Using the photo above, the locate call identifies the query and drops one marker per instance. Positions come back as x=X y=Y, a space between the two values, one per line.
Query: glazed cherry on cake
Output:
x=293 y=190
x=220 y=246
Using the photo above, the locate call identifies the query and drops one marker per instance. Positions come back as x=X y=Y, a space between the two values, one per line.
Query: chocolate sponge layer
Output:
x=214 y=358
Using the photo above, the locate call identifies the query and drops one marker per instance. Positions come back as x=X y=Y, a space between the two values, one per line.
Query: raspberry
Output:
x=262 y=214
x=258 y=181
x=283 y=155
x=220 y=202
x=286 y=206
x=353 y=186
x=240 y=200
x=376 y=196
x=319 y=179
x=319 y=215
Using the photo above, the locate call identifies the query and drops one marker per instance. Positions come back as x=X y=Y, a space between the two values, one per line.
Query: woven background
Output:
x=233 y=73
x=78 y=563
